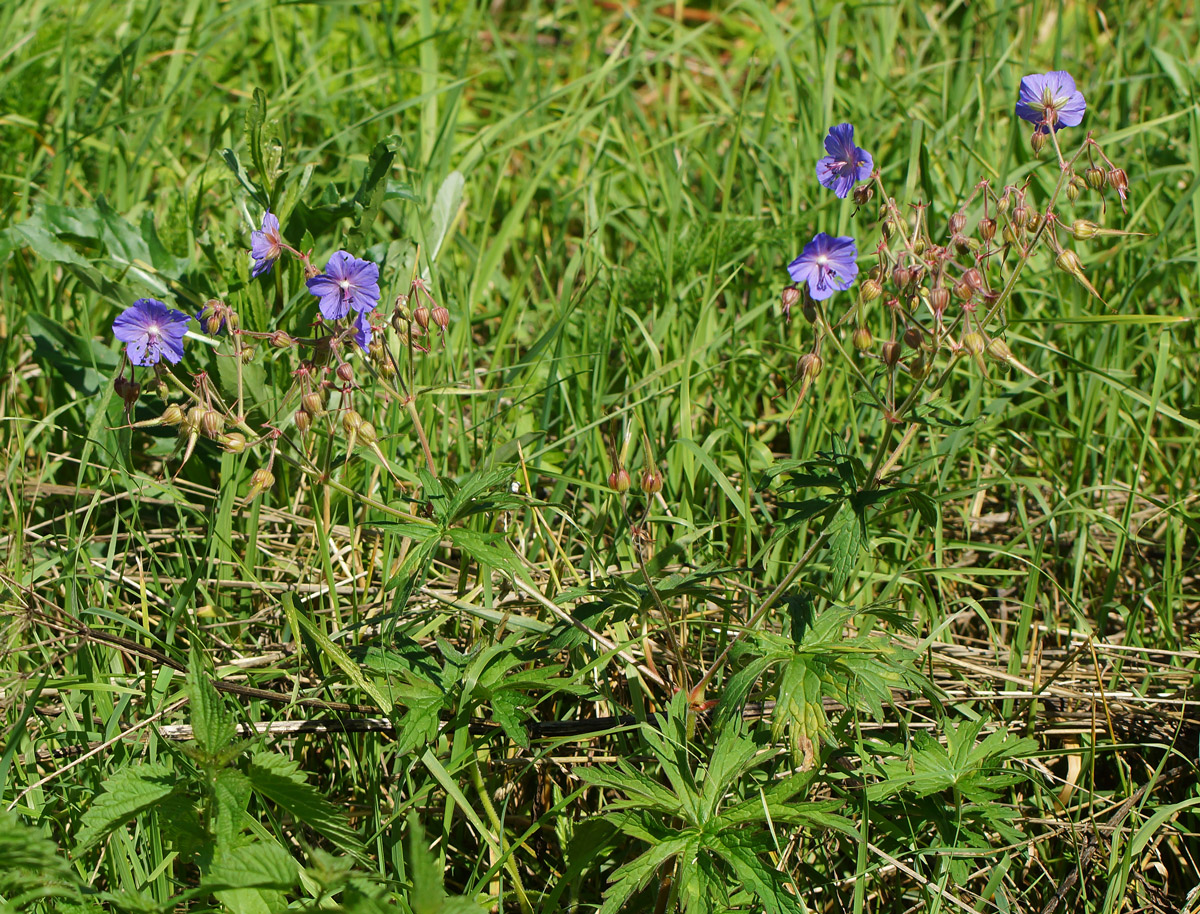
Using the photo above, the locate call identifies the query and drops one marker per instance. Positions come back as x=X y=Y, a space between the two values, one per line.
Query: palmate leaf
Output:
x=279 y=779
x=645 y=792
x=632 y=877
x=127 y=794
x=742 y=850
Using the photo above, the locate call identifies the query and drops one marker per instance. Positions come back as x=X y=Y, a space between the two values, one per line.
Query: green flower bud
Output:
x=1095 y=177
x=619 y=480
x=234 y=442
x=172 y=415
x=973 y=343
x=312 y=403
x=862 y=339
x=869 y=291
x=260 y=481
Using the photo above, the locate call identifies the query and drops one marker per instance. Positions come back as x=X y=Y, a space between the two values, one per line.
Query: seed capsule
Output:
x=367 y=434
x=862 y=194
x=918 y=367
x=211 y=423
x=901 y=276
x=195 y=418
x=1038 y=142
x=441 y=317
x=172 y=415
x=869 y=291
x=958 y=222
x=234 y=442
x=312 y=403
x=809 y=366
x=652 y=482
x=1074 y=188
x=1020 y=216
x=281 y=340
x=939 y=299
x=912 y=337
x=619 y=480
x=260 y=481
x=963 y=291
x=421 y=316
x=862 y=339
x=973 y=343
x=351 y=421
x=345 y=373
x=998 y=351
x=973 y=278
x=1082 y=229
x=787 y=298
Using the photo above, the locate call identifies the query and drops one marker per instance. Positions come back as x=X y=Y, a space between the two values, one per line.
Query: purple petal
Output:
x=136 y=351
x=1071 y=114
x=840 y=141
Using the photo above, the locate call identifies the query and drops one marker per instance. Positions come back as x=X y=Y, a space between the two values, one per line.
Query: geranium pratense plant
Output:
x=324 y=393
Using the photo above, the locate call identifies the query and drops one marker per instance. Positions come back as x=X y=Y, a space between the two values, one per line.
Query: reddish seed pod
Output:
x=619 y=480
x=652 y=482
x=1118 y=180
x=441 y=317
x=862 y=194
x=345 y=373
x=787 y=298
x=973 y=278
x=891 y=353
x=901 y=276
x=281 y=340
x=939 y=299
x=958 y=222
x=303 y=420
x=421 y=316
x=1020 y=216
x=987 y=229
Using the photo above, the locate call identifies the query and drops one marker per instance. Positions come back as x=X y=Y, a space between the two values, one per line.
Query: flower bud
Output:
x=128 y=390
x=973 y=278
x=958 y=222
x=367 y=434
x=211 y=423
x=303 y=420
x=1020 y=216
x=891 y=353
x=1038 y=141
x=311 y=270
x=913 y=338
x=987 y=229
x=1082 y=229
x=441 y=317
x=918 y=367
x=862 y=339
x=234 y=442
x=901 y=276
x=869 y=291
x=963 y=291
x=421 y=316
x=1095 y=177
x=351 y=421
x=973 y=343
x=312 y=404
x=939 y=299
x=260 y=481
x=809 y=366
x=887 y=229
x=172 y=415
x=652 y=482
x=1118 y=181
x=1005 y=201
x=345 y=373
x=787 y=298
x=1075 y=188
x=281 y=340
x=619 y=480
x=918 y=245
x=862 y=194
x=247 y=354
x=961 y=243
x=195 y=417
x=1009 y=234
x=1069 y=261
x=998 y=350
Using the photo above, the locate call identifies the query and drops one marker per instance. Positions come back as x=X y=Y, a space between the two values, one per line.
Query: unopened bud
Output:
x=887 y=229
x=963 y=291
x=1118 y=180
x=1038 y=141
x=987 y=229
x=211 y=423
x=311 y=270
x=1009 y=234
x=367 y=434
x=862 y=194
x=421 y=316
x=958 y=222
x=234 y=442
x=312 y=403
x=1082 y=229
x=652 y=482
x=998 y=351
x=303 y=420
x=247 y=354
x=195 y=417
x=281 y=340
x=260 y=481
x=619 y=480
x=912 y=337
x=973 y=278
x=1075 y=188
x=345 y=373
x=869 y=291
x=172 y=415
x=1005 y=201
x=918 y=367
x=862 y=339
x=809 y=366
x=787 y=298
x=918 y=245
x=939 y=299
x=1020 y=215
x=1069 y=261
x=973 y=343
x=961 y=243
x=351 y=421
x=901 y=276
x=891 y=353
x=441 y=317
x=1095 y=177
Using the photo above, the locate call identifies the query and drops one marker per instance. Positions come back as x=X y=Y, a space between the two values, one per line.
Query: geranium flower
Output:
x=152 y=331
x=266 y=246
x=346 y=283
x=827 y=264
x=1050 y=100
x=846 y=163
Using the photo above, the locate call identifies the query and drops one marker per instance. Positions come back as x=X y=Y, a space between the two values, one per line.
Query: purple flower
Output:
x=827 y=264
x=265 y=246
x=1050 y=100
x=362 y=328
x=346 y=283
x=152 y=330
x=846 y=163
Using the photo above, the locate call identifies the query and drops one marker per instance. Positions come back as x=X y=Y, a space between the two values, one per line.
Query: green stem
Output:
x=500 y=844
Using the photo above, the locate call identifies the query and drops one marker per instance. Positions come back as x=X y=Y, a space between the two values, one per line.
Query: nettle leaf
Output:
x=127 y=794
x=231 y=793
x=279 y=779
x=252 y=878
x=213 y=727
x=32 y=862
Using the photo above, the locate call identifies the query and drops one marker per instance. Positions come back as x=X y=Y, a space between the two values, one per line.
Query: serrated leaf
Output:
x=127 y=794
x=231 y=795
x=212 y=725
x=252 y=878
x=279 y=779
x=634 y=876
x=31 y=860
x=845 y=544
x=740 y=850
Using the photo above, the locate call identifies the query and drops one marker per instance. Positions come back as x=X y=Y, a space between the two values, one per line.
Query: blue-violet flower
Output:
x=266 y=246
x=1050 y=100
x=362 y=329
x=152 y=331
x=846 y=163
x=827 y=264
x=346 y=283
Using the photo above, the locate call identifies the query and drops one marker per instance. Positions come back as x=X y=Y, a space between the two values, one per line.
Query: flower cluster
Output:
x=919 y=274
x=347 y=295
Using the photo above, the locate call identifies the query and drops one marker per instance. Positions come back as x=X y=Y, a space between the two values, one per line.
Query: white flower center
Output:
x=345 y=284
x=153 y=330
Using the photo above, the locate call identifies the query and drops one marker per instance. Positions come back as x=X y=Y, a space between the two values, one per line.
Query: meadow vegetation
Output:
x=553 y=549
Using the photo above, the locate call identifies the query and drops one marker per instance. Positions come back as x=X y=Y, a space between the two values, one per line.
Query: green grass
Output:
x=1016 y=621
